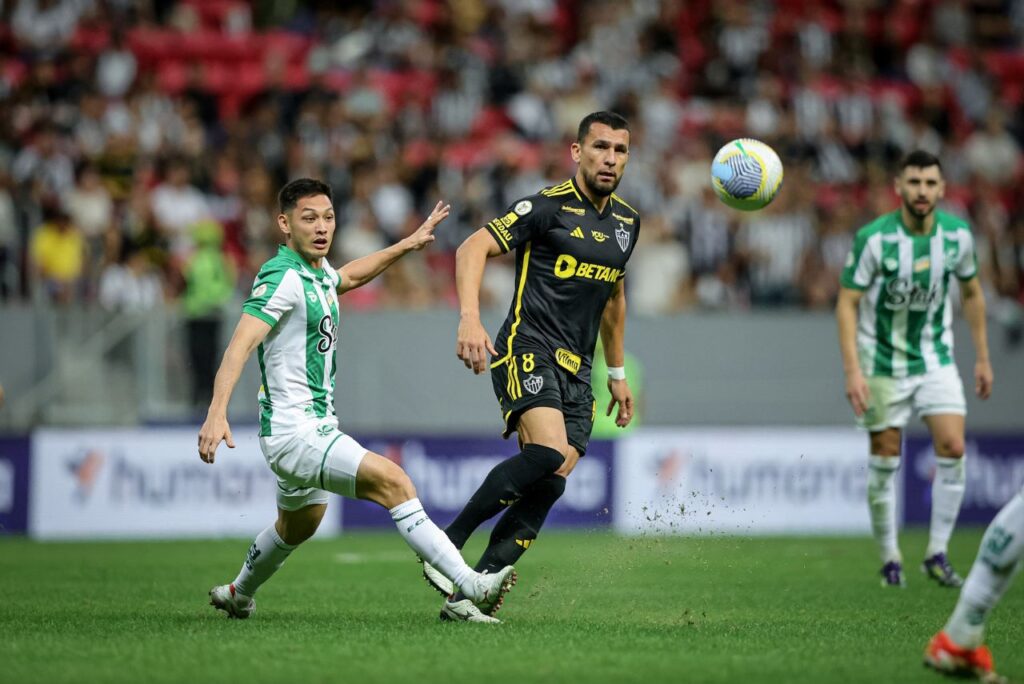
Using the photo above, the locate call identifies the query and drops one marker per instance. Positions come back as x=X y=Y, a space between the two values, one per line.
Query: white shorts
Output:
x=315 y=459
x=893 y=399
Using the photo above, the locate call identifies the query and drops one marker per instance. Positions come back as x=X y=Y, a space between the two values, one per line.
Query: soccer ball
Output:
x=746 y=174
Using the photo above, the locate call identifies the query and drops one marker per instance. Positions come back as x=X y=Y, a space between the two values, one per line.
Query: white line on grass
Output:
x=353 y=558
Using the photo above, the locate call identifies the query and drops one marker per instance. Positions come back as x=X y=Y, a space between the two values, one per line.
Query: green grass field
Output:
x=588 y=608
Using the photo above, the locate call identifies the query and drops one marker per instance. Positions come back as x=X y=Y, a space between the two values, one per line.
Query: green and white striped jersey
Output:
x=296 y=358
x=904 y=322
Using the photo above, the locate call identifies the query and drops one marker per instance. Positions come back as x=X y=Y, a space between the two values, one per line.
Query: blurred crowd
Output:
x=142 y=141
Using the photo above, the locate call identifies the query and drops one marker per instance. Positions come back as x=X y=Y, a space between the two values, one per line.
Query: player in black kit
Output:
x=572 y=243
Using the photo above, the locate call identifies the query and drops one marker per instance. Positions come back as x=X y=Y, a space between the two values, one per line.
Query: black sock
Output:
x=502 y=487
x=521 y=523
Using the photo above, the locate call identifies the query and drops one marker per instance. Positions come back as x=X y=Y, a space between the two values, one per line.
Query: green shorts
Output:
x=531 y=379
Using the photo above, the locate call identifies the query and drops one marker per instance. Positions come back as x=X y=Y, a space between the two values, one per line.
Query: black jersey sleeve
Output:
x=523 y=222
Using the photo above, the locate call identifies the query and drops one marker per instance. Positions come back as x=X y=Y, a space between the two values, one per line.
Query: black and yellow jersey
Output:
x=568 y=258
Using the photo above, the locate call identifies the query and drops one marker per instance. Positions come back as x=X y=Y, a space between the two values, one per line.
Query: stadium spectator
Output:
x=132 y=284
x=47 y=25
x=42 y=166
x=772 y=242
x=9 y=239
x=116 y=67
x=178 y=206
x=91 y=209
x=992 y=153
x=58 y=251
x=209 y=283
x=660 y=271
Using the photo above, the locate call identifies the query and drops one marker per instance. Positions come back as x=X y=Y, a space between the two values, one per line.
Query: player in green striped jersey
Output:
x=895 y=335
x=291 y=320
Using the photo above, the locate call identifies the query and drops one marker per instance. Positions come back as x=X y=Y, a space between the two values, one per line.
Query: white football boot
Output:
x=488 y=591
x=437 y=580
x=224 y=597
x=465 y=611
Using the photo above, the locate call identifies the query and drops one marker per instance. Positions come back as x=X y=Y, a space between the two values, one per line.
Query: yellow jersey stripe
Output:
x=556 y=188
x=513 y=379
x=497 y=236
x=620 y=201
x=574 y=190
x=508 y=381
x=519 y=305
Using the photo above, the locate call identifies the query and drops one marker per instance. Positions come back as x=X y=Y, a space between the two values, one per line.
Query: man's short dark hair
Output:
x=295 y=190
x=920 y=159
x=610 y=119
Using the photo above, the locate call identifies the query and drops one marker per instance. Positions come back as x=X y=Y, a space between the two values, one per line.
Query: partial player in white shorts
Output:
x=938 y=398
x=893 y=400
x=315 y=459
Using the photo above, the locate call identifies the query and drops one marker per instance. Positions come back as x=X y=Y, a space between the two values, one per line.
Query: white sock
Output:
x=882 y=504
x=267 y=553
x=947 y=495
x=429 y=542
x=999 y=559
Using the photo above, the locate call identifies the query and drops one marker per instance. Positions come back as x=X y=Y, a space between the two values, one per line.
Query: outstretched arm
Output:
x=249 y=332
x=364 y=269
x=974 y=312
x=473 y=343
x=846 y=318
x=613 y=333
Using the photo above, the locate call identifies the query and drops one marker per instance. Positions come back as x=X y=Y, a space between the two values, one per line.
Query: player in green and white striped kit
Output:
x=894 y=314
x=291 y=319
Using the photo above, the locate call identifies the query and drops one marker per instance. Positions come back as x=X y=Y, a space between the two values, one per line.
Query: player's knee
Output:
x=296 y=527
x=949 y=447
x=551 y=487
x=396 y=486
x=886 y=444
x=549 y=458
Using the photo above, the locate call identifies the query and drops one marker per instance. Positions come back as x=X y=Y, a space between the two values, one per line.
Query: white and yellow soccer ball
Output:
x=746 y=174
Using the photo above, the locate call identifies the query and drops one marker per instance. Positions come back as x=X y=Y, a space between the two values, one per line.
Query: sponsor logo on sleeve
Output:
x=524 y=207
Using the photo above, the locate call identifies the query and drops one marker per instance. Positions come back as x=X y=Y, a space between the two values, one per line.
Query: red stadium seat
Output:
x=214 y=13
x=90 y=40
x=172 y=76
x=152 y=45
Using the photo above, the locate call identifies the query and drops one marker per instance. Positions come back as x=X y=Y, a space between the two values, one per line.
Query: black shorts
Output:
x=531 y=379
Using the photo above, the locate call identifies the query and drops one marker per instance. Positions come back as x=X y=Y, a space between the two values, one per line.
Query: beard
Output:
x=917 y=212
x=598 y=187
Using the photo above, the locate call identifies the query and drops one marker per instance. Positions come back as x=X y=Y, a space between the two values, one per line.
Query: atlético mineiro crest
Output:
x=622 y=235
x=533 y=383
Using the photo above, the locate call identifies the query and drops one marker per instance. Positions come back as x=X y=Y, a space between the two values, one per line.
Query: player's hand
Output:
x=424 y=235
x=623 y=396
x=983 y=379
x=857 y=393
x=214 y=431
x=473 y=344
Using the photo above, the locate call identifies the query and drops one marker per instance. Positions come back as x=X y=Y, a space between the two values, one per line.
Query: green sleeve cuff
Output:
x=850 y=285
x=258 y=313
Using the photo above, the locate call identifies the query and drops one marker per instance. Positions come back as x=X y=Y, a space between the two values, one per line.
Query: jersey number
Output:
x=528 y=363
x=328 y=333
